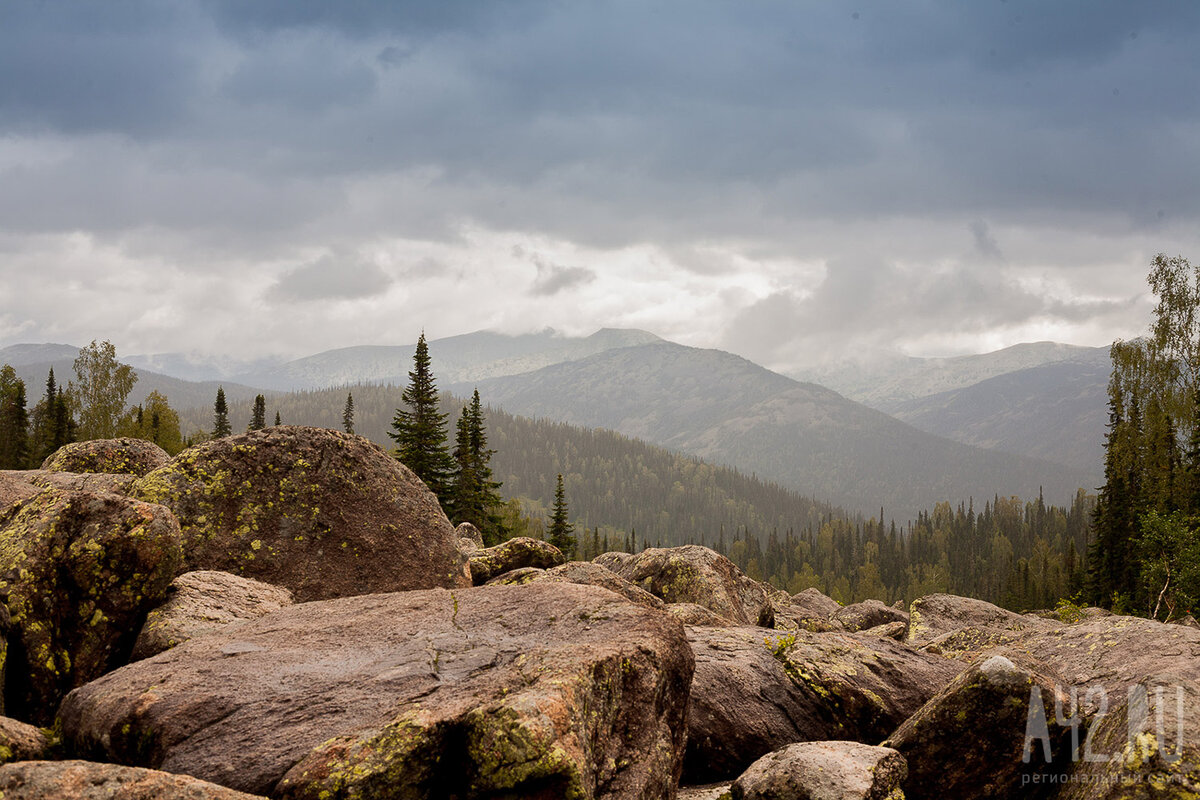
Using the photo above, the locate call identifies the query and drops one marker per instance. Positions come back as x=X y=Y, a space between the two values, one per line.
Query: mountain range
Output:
x=1012 y=422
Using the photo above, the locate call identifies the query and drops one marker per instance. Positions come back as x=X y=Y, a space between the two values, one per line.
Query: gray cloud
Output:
x=331 y=278
x=218 y=137
x=554 y=278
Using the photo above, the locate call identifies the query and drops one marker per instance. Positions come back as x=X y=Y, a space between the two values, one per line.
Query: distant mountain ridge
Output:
x=886 y=383
x=471 y=356
x=728 y=410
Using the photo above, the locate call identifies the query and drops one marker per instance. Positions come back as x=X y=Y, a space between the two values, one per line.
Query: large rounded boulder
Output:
x=320 y=512
x=81 y=570
x=122 y=456
x=84 y=780
x=549 y=690
x=696 y=574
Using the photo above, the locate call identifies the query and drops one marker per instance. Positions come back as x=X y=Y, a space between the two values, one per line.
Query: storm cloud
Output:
x=809 y=179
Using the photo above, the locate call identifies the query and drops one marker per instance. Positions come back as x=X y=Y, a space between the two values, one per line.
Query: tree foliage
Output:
x=420 y=430
x=221 y=425
x=100 y=389
x=348 y=413
x=14 y=421
x=52 y=423
x=1151 y=494
x=474 y=495
x=561 y=531
x=155 y=421
x=258 y=417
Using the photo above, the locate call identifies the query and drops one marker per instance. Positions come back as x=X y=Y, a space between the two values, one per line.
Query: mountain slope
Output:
x=1056 y=412
x=469 y=357
x=731 y=411
x=179 y=393
x=885 y=384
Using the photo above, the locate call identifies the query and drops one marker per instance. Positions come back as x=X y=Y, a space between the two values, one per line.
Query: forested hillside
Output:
x=728 y=410
x=625 y=492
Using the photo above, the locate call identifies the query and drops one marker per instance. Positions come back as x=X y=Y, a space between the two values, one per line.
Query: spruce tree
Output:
x=561 y=530
x=258 y=418
x=420 y=430
x=52 y=423
x=348 y=414
x=221 y=415
x=277 y=422
x=474 y=496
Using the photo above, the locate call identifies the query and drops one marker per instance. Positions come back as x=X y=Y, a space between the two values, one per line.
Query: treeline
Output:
x=627 y=495
x=1021 y=555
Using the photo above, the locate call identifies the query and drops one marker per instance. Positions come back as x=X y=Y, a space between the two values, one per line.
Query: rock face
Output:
x=13 y=488
x=21 y=742
x=868 y=614
x=83 y=780
x=82 y=571
x=1161 y=758
x=111 y=482
x=824 y=771
x=612 y=560
x=204 y=601
x=757 y=690
x=517 y=553
x=320 y=512
x=970 y=740
x=123 y=456
x=695 y=574
x=546 y=690
x=1115 y=653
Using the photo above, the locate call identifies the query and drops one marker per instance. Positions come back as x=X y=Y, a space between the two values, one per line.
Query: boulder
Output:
x=962 y=627
x=84 y=780
x=1147 y=747
x=522 y=551
x=81 y=571
x=546 y=690
x=790 y=616
x=590 y=574
x=100 y=482
x=695 y=574
x=757 y=690
x=612 y=559
x=466 y=530
x=123 y=456
x=824 y=771
x=711 y=791
x=818 y=604
x=203 y=601
x=890 y=630
x=319 y=512
x=1114 y=653
x=868 y=614
x=21 y=742
x=971 y=739
x=692 y=614
x=518 y=577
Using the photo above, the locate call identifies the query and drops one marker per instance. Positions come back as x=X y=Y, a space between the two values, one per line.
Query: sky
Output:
x=797 y=182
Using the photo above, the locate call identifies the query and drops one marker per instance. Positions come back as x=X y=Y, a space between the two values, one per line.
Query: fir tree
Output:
x=420 y=431
x=348 y=414
x=53 y=425
x=258 y=417
x=474 y=496
x=561 y=530
x=221 y=415
x=277 y=422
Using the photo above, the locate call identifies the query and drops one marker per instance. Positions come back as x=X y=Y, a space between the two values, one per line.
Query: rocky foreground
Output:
x=289 y=614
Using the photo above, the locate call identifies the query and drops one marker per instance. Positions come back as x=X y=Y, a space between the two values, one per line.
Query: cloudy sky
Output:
x=788 y=180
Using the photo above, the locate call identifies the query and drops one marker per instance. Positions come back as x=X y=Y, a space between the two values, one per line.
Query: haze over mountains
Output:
x=1027 y=418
